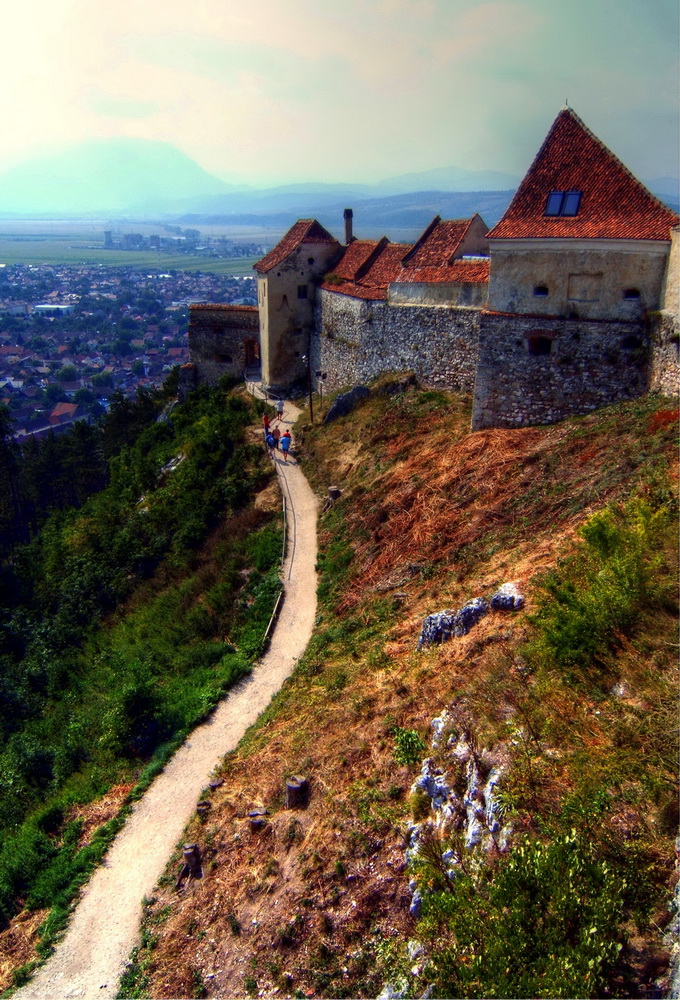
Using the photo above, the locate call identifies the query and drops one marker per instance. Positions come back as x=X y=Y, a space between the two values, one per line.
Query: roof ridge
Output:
x=370 y=260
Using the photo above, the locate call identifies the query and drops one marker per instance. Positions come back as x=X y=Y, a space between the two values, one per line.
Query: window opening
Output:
x=631 y=294
x=539 y=346
x=540 y=290
x=224 y=359
x=631 y=343
x=563 y=202
x=302 y=291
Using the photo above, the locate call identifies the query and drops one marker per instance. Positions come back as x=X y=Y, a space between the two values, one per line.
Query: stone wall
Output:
x=357 y=340
x=536 y=370
x=664 y=370
x=223 y=340
x=593 y=280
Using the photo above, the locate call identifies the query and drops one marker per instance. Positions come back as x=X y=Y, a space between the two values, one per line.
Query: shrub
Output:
x=408 y=746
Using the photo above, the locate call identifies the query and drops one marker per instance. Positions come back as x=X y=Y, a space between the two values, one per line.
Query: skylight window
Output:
x=563 y=202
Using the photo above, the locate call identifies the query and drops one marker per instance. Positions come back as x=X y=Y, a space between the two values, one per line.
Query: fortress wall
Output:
x=359 y=340
x=590 y=364
x=664 y=369
x=219 y=340
x=587 y=279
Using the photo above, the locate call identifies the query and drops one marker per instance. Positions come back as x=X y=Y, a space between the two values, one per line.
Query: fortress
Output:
x=571 y=301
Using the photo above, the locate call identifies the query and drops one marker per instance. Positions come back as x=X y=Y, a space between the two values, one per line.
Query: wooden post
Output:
x=257 y=819
x=192 y=860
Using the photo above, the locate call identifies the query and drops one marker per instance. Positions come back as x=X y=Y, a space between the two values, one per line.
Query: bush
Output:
x=408 y=746
x=603 y=588
x=546 y=924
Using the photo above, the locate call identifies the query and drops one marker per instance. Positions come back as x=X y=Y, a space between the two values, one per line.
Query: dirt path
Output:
x=104 y=928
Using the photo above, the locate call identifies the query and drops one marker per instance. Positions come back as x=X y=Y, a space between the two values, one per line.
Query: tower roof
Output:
x=576 y=188
x=303 y=231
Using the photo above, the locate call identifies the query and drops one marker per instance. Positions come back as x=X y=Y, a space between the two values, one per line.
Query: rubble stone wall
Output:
x=220 y=338
x=664 y=370
x=535 y=370
x=360 y=339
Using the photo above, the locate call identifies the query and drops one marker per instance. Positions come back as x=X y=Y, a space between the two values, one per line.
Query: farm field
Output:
x=66 y=242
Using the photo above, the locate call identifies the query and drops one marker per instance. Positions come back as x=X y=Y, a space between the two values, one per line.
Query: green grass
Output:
x=66 y=250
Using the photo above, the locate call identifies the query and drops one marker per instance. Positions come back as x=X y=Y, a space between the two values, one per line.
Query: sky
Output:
x=281 y=91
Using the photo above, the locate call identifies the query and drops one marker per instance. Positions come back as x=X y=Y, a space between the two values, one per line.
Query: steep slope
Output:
x=318 y=901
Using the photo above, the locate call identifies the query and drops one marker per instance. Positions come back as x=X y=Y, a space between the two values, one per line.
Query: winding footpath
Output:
x=105 y=925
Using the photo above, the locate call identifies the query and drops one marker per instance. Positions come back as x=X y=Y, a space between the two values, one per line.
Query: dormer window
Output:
x=563 y=202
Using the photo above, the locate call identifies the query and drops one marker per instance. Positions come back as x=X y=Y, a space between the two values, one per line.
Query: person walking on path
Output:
x=279 y=409
x=271 y=444
x=285 y=444
x=276 y=434
x=265 y=423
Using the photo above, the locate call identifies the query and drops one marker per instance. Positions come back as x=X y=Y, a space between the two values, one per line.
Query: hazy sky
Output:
x=357 y=90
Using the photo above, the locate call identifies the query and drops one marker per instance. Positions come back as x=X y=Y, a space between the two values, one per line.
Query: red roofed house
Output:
x=578 y=263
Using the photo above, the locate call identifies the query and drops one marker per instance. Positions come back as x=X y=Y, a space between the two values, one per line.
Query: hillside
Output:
x=536 y=856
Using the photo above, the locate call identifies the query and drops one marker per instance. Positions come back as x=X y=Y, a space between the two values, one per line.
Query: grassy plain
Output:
x=82 y=242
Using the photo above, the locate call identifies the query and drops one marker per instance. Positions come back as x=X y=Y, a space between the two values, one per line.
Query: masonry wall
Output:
x=286 y=297
x=664 y=368
x=223 y=340
x=588 y=280
x=358 y=340
x=589 y=365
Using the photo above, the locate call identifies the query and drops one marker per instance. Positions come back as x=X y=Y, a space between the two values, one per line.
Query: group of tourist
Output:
x=273 y=437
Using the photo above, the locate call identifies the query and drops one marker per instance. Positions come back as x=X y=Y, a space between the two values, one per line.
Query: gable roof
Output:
x=365 y=271
x=614 y=204
x=303 y=231
x=439 y=243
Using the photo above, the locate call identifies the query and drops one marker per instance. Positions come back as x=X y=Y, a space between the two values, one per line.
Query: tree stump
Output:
x=192 y=860
x=203 y=808
x=297 y=792
x=257 y=819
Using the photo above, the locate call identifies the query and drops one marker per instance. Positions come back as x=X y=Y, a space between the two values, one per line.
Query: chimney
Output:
x=347 y=215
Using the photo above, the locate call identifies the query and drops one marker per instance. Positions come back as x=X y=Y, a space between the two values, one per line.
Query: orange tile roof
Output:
x=369 y=269
x=303 y=231
x=354 y=257
x=614 y=204
x=438 y=244
x=473 y=271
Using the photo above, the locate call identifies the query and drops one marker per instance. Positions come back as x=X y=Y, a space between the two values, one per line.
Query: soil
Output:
x=105 y=925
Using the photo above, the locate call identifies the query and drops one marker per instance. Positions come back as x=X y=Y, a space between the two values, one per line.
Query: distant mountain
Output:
x=401 y=216
x=107 y=176
x=136 y=178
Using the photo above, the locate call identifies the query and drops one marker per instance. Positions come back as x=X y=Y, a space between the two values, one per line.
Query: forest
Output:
x=136 y=583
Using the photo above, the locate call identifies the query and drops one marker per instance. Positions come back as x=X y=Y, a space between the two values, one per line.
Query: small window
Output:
x=631 y=343
x=310 y=260
x=302 y=291
x=224 y=359
x=540 y=290
x=632 y=294
x=539 y=346
x=563 y=202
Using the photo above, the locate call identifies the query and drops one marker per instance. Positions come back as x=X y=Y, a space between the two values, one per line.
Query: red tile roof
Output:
x=438 y=244
x=304 y=231
x=614 y=204
x=461 y=271
x=369 y=269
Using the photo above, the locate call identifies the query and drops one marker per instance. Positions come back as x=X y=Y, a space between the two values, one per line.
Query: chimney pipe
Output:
x=347 y=215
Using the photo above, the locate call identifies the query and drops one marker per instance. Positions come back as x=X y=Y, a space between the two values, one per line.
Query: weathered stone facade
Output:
x=358 y=339
x=535 y=370
x=223 y=340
